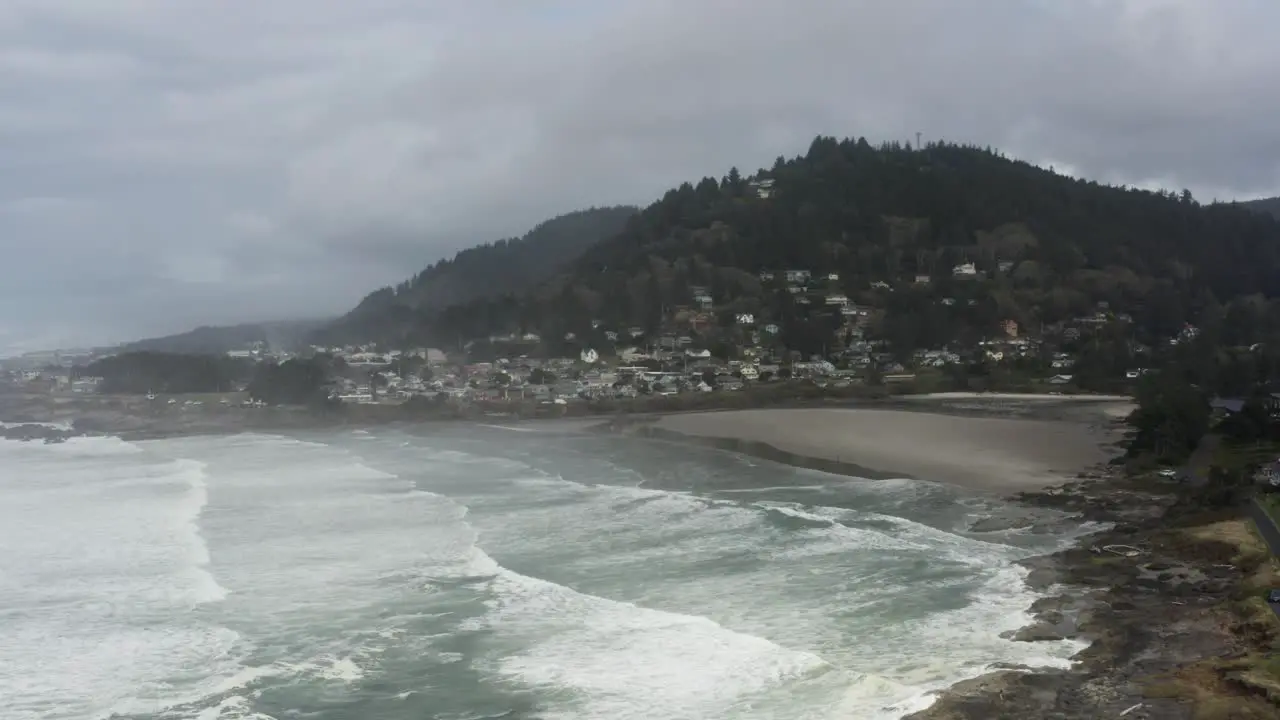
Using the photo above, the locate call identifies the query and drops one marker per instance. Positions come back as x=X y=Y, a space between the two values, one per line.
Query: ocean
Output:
x=484 y=572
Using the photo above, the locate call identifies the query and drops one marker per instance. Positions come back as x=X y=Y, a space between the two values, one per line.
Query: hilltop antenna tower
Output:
x=917 y=140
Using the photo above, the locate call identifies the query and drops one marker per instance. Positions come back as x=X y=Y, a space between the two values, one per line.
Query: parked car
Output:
x=1273 y=596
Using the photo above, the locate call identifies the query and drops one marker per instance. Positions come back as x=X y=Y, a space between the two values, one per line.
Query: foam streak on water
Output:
x=377 y=575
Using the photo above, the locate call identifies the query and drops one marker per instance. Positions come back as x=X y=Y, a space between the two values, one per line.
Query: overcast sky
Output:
x=168 y=163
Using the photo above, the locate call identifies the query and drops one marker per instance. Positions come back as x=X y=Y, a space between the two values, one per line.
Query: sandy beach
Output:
x=996 y=454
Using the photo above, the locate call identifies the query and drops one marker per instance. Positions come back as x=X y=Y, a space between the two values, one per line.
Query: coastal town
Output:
x=698 y=347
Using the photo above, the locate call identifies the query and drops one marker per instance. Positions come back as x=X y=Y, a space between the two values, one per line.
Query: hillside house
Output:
x=964 y=270
x=1010 y=328
x=746 y=319
x=837 y=300
x=766 y=276
x=881 y=285
x=922 y=279
x=704 y=300
x=798 y=276
x=762 y=187
x=833 y=277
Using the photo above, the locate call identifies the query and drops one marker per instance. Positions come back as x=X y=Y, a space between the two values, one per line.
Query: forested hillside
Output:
x=219 y=339
x=507 y=266
x=891 y=228
x=1271 y=206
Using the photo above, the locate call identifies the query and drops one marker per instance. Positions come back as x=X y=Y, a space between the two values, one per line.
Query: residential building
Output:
x=762 y=187
x=964 y=270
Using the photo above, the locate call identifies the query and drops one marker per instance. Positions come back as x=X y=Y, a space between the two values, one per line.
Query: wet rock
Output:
x=35 y=432
x=996 y=524
x=1038 y=633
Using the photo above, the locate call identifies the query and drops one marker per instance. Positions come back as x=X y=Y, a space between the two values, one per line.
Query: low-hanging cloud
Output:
x=175 y=162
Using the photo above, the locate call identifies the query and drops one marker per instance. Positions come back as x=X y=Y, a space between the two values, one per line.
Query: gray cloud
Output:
x=172 y=162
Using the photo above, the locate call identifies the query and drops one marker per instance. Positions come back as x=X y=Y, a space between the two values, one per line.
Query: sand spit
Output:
x=995 y=454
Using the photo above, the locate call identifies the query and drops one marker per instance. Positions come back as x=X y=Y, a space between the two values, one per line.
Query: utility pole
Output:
x=917 y=140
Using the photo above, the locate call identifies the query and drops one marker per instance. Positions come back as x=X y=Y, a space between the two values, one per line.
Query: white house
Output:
x=837 y=300
x=589 y=356
x=704 y=300
x=880 y=285
x=771 y=328
x=763 y=187
x=367 y=360
x=798 y=276
x=746 y=319
x=766 y=275
x=964 y=270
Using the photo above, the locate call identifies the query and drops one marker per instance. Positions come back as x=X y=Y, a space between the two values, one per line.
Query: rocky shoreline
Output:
x=1157 y=596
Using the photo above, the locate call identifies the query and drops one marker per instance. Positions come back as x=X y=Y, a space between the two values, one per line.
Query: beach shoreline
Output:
x=990 y=449
x=1153 y=622
x=1141 y=616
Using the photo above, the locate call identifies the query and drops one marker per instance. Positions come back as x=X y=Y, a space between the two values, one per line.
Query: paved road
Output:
x=1197 y=467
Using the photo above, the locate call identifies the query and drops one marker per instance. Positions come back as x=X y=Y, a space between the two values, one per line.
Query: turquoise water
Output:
x=487 y=573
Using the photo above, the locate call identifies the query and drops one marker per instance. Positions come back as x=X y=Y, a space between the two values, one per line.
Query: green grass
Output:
x=1239 y=457
x=1271 y=503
